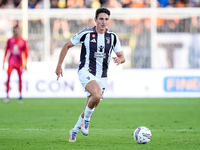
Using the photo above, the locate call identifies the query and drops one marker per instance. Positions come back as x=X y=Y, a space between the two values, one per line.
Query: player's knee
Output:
x=98 y=96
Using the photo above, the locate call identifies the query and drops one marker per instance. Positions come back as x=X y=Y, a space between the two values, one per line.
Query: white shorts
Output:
x=85 y=77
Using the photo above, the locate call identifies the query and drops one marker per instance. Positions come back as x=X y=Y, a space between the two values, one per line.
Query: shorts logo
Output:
x=88 y=78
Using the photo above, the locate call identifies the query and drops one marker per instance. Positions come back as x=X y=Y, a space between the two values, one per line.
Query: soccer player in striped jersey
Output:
x=16 y=48
x=97 y=44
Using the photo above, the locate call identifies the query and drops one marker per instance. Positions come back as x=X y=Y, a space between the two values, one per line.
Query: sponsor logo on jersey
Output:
x=101 y=48
x=100 y=53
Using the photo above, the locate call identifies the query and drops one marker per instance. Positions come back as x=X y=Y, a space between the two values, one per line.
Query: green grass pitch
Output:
x=44 y=124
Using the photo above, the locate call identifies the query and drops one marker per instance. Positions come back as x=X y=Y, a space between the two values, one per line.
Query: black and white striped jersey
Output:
x=96 y=50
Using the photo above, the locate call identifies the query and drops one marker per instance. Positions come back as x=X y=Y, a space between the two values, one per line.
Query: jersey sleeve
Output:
x=117 y=45
x=76 y=39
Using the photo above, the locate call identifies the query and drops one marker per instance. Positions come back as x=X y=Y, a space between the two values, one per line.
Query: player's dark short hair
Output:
x=102 y=10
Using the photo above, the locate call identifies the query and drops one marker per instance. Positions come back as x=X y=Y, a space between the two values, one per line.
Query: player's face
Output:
x=16 y=32
x=101 y=22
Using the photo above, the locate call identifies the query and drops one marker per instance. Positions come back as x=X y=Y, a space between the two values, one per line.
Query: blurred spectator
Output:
x=195 y=21
x=31 y=4
x=126 y=3
x=38 y=4
x=95 y=4
x=147 y=3
x=10 y=4
x=173 y=3
x=114 y=4
x=88 y=3
x=162 y=3
x=194 y=3
x=168 y=25
x=181 y=3
x=54 y=3
x=61 y=27
x=75 y=4
x=17 y=3
x=67 y=4
x=103 y=3
x=140 y=42
x=137 y=4
x=195 y=44
x=172 y=24
x=62 y=4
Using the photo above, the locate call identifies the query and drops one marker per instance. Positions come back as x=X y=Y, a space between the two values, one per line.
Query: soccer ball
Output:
x=142 y=135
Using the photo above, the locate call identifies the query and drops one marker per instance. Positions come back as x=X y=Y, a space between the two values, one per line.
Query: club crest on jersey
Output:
x=108 y=40
x=93 y=35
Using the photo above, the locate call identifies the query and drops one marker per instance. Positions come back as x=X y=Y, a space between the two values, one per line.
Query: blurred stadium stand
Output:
x=149 y=30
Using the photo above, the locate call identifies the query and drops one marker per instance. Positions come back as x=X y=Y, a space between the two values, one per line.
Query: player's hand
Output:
x=116 y=60
x=59 y=71
x=25 y=68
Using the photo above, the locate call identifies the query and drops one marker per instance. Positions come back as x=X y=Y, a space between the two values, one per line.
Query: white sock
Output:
x=88 y=113
x=77 y=126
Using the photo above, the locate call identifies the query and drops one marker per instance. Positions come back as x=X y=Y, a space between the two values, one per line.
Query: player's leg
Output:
x=19 y=71
x=93 y=100
x=10 y=69
x=91 y=85
x=93 y=88
x=77 y=127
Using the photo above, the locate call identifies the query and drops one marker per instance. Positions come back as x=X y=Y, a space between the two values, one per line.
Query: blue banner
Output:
x=182 y=84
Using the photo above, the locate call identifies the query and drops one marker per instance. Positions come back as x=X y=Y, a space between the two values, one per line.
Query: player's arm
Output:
x=61 y=58
x=120 y=58
x=6 y=52
x=25 y=57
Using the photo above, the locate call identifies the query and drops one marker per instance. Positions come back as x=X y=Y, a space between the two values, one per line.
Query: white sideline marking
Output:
x=154 y=130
